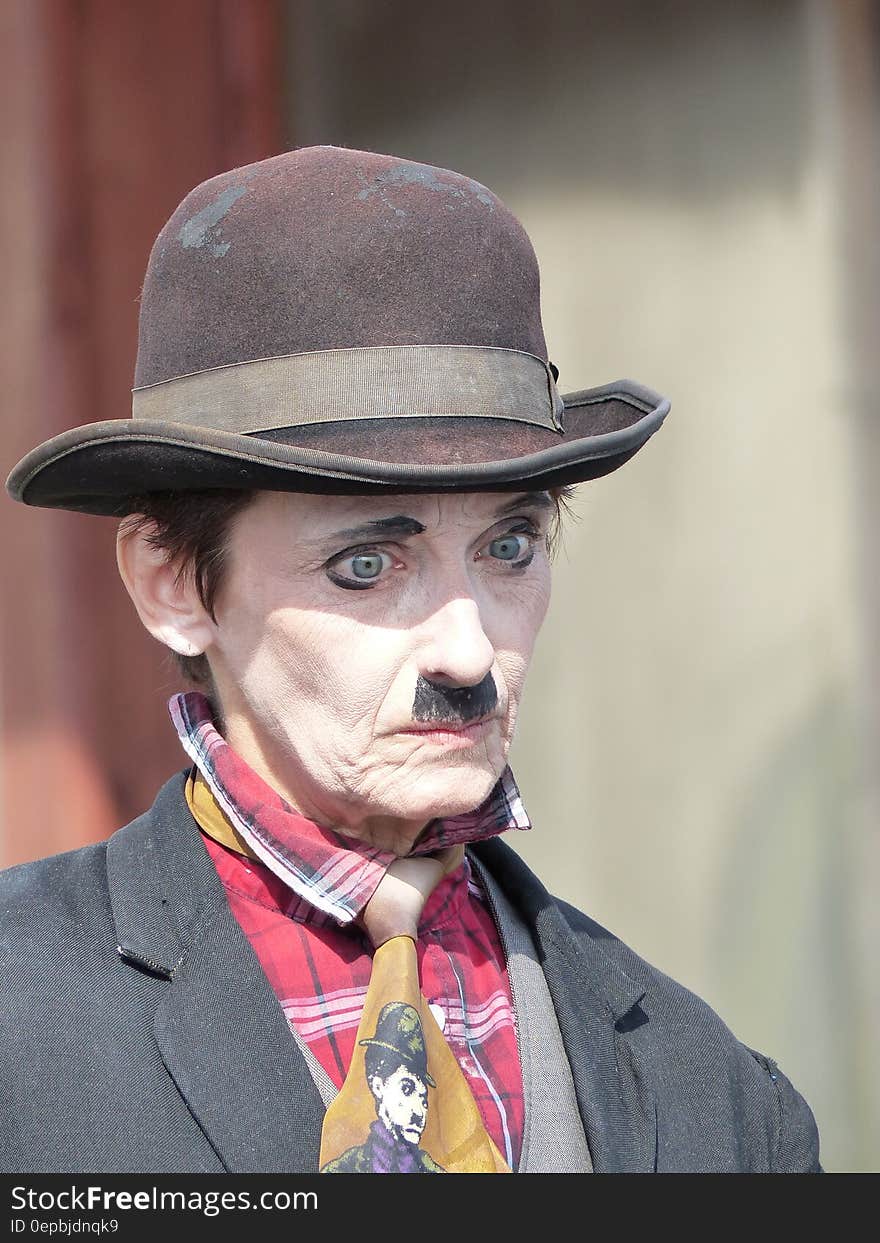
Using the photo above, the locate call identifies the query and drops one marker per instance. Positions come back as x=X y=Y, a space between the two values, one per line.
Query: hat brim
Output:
x=100 y=467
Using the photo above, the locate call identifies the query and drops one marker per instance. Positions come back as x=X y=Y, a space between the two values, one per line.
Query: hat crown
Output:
x=339 y=321
x=399 y=1029
x=327 y=248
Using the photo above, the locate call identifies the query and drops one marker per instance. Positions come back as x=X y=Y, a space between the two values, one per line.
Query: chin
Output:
x=452 y=792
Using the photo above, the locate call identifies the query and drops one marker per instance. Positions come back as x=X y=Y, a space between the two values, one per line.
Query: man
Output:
x=339 y=491
x=396 y=1065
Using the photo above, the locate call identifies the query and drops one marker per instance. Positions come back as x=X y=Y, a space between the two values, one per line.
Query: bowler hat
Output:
x=399 y=1031
x=331 y=320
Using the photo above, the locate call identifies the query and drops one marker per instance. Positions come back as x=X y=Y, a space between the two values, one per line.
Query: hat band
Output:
x=374 y=382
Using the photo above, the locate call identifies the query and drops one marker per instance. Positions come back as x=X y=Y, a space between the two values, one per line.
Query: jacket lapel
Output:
x=595 y=1001
x=220 y=1029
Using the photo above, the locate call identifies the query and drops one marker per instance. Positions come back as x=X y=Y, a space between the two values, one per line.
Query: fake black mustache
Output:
x=457 y=705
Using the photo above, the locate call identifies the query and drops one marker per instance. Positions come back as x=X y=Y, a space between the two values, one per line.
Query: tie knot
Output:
x=398 y=900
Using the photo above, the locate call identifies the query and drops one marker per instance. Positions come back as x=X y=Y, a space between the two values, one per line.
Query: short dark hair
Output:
x=192 y=528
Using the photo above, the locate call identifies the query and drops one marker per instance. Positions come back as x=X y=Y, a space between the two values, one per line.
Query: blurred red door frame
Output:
x=110 y=113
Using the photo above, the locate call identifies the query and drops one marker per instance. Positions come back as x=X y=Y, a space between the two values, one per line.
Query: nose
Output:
x=456 y=650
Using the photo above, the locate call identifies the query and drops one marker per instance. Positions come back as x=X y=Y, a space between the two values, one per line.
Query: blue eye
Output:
x=360 y=569
x=508 y=547
x=367 y=564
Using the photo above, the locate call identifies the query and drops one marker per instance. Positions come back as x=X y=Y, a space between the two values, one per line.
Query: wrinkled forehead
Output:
x=316 y=515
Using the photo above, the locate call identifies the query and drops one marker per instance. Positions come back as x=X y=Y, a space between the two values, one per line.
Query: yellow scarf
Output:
x=210 y=819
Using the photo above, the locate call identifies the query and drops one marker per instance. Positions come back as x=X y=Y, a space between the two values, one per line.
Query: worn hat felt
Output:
x=331 y=320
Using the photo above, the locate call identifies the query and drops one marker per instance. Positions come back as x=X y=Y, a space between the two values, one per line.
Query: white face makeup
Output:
x=402 y=1103
x=334 y=610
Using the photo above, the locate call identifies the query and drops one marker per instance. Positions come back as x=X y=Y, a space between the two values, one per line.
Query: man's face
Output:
x=341 y=622
x=401 y=1103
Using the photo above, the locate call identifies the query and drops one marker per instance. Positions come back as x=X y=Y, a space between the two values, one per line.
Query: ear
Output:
x=168 y=605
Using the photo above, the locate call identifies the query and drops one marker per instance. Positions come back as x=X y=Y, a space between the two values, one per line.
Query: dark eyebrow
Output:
x=380 y=528
x=530 y=500
x=400 y=526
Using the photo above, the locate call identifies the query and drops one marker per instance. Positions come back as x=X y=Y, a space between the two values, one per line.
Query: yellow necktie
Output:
x=405 y=1106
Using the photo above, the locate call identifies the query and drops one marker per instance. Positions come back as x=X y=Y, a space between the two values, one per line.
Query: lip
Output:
x=451 y=734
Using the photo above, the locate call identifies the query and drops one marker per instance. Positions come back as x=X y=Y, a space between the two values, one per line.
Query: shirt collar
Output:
x=336 y=875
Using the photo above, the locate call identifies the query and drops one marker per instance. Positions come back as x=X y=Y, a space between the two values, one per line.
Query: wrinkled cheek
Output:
x=514 y=668
x=327 y=707
x=518 y=631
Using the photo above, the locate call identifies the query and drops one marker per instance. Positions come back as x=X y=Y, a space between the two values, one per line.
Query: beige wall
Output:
x=689 y=742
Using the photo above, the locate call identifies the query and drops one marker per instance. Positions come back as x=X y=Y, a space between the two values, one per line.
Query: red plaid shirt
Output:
x=297 y=902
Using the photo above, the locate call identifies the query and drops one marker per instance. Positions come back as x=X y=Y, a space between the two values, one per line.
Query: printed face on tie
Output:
x=401 y=1103
x=370 y=652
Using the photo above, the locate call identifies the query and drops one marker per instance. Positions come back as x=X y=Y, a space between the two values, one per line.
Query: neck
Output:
x=392 y=834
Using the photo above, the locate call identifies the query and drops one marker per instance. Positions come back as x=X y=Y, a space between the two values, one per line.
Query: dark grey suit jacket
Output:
x=139 y=1033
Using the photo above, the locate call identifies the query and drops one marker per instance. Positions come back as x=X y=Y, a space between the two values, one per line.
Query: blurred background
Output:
x=700 y=738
